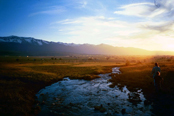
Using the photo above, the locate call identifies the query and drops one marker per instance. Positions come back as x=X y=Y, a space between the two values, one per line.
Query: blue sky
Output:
x=146 y=24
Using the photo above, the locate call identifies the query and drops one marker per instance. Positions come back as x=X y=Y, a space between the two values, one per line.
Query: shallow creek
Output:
x=85 y=98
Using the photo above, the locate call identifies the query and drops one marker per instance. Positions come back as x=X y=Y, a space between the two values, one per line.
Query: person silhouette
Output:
x=155 y=70
x=158 y=81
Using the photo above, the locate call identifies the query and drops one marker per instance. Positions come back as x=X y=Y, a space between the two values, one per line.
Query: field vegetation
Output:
x=22 y=77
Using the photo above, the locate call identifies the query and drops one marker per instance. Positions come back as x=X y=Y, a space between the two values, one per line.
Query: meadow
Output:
x=22 y=77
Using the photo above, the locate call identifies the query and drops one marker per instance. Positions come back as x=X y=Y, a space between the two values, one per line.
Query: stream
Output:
x=78 y=97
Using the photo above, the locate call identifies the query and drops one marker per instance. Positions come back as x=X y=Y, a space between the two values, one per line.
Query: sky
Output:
x=145 y=24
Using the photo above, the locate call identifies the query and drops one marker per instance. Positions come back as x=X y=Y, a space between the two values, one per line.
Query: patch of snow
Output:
x=28 y=40
x=39 y=42
x=2 y=40
x=60 y=42
x=72 y=44
x=19 y=41
x=68 y=44
x=10 y=40
x=46 y=42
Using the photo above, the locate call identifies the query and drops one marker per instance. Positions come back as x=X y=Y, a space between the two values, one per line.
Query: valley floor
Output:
x=22 y=77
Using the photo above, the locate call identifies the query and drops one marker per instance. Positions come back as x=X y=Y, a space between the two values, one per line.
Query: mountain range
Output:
x=28 y=46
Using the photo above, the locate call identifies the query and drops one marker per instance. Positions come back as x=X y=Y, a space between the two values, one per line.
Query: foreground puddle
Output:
x=82 y=97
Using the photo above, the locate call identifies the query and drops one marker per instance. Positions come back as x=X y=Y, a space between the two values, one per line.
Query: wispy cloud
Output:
x=49 y=11
x=159 y=15
x=145 y=10
x=68 y=21
x=159 y=8
x=94 y=29
x=83 y=4
x=138 y=9
x=159 y=26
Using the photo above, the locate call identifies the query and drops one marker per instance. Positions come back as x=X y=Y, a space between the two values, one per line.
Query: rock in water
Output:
x=97 y=107
x=103 y=110
x=123 y=111
x=100 y=108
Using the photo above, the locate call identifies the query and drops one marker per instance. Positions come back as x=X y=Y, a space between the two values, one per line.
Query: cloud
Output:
x=51 y=11
x=138 y=9
x=158 y=15
x=95 y=29
x=68 y=21
x=167 y=5
x=83 y=4
x=159 y=8
x=160 y=26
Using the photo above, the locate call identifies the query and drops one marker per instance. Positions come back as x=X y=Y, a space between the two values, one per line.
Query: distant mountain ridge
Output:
x=30 y=40
x=14 y=45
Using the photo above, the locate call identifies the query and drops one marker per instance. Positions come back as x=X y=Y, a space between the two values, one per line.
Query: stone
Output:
x=116 y=112
x=97 y=107
x=123 y=111
x=100 y=108
x=41 y=94
x=103 y=110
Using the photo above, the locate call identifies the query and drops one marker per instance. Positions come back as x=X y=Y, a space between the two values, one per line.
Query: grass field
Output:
x=22 y=77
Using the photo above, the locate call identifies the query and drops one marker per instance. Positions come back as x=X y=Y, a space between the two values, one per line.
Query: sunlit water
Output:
x=95 y=97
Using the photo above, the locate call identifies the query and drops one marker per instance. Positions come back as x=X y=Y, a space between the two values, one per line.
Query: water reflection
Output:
x=81 y=97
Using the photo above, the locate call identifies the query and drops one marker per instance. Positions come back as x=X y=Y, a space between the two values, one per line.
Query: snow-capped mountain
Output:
x=31 y=40
x=20 y=40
